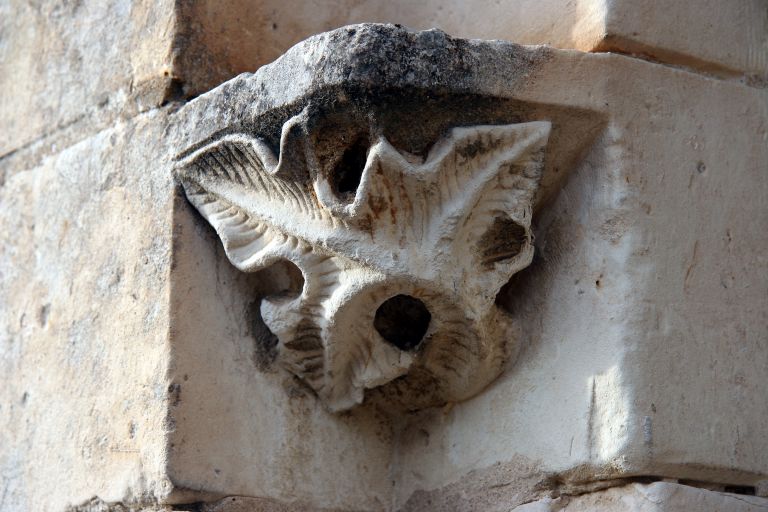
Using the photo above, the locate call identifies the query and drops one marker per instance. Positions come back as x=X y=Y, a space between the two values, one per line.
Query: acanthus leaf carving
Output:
x=401 y=273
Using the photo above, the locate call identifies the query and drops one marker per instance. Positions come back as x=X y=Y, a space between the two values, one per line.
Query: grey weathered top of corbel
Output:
x=360 y=61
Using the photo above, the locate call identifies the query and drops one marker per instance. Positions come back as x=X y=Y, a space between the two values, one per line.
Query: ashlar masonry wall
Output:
x=135 y=360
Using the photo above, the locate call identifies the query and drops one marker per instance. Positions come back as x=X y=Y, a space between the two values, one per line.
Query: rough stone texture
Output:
x=235 y=36
x=86 y=63
x=76 y=66
x=621 y=290
x=84 y=285
x=656 y=497
x=239 y=105
x=642 y=317
x=400 y=257
x=641 y=335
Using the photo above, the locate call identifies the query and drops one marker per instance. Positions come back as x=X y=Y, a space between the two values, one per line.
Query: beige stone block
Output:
x=70 y=69
x=722 y=38
x=77 y=66
x=84 y=286
x=646 y=310
x=131 y=368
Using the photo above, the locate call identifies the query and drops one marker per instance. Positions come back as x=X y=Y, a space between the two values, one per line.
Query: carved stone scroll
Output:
x=402 y=253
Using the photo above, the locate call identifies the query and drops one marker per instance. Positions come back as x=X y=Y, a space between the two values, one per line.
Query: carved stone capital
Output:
x=405 y=208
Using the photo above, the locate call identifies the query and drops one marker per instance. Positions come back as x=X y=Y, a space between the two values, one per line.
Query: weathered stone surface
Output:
x=72 y=68
x=77 y=66
x=399 y=257
x=622 y=211
x=134 y=367
x=635 y=327
x=84 y=284
x=235 y=36
x=655 y=497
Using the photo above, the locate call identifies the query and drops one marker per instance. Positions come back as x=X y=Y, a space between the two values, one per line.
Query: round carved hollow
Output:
x=403 y=321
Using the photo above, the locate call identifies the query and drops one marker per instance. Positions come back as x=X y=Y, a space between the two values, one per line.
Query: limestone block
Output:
x=80 y=65
x=72 y=68
x=646 y=304
x=655 y=497
x=723 y=38
x=84 y=284
x=211 y=464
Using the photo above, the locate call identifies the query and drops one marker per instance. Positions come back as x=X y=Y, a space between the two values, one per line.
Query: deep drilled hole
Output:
x=349 y=170
x=402 y=321
x=288 y=279
x=504 y=240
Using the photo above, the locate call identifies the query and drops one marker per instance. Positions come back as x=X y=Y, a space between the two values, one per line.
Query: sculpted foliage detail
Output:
x=402 y=256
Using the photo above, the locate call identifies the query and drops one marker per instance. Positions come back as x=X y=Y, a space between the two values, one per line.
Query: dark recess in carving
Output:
x=403 y=321
x=349 y=170
x=502 y=241
x=290 y=283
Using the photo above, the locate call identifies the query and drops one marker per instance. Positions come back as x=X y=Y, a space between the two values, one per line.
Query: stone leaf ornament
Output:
x=401 y=256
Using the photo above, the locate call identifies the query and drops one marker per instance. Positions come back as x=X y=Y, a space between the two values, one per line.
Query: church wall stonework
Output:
x=155 y=352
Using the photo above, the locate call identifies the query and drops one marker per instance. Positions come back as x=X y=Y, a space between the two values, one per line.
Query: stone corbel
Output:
x=403 y=233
